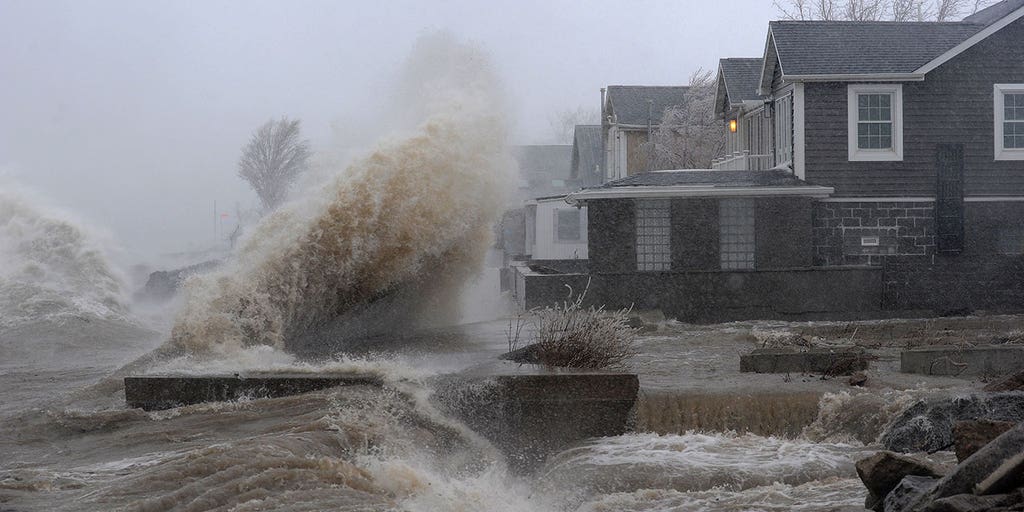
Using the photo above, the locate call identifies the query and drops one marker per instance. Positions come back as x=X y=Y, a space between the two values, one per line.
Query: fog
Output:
x=132 y=114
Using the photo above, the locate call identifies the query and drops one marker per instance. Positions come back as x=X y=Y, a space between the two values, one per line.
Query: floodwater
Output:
x=70 y=443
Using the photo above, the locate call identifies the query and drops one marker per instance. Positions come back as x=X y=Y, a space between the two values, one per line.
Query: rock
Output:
x=1008 y=476
x=970 y=435
x=927 y=426
x=1014 y=382
x=883 y=471
x=984 y=462
x=858 y=379
x=909 y=491
x=163 y=284
x=971 y=503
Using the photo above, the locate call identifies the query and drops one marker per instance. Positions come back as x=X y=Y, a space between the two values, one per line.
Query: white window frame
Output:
x=895 y=154
x=784 y=129
x=998 y=96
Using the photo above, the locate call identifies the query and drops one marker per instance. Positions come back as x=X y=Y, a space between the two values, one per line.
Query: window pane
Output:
x=1013 y=107
x=1013 y=135
x=736 y=233
x=568 y=225
x=653 y=248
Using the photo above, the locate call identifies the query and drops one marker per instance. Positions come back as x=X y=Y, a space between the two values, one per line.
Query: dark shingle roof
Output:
x=995 y=12
x=742 y=77
x=858 y=47
x=701 y=177
x=630 y=102
x=587 y=149
x=553 y=160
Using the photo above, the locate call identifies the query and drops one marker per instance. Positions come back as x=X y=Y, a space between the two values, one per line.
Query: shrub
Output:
x=569 y=335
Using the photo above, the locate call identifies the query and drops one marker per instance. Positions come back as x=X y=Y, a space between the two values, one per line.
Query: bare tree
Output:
x=273 y=159
x=690 y=135
x=878 y=10
x=563 y=123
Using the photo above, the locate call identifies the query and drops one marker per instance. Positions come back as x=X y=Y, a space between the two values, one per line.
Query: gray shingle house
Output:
x=873 y=167
x=629 y=115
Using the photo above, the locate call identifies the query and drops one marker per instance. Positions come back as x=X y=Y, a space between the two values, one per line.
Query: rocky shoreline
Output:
x=987 y=431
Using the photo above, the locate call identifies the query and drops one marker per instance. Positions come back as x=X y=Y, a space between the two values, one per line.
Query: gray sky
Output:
x=132 y=113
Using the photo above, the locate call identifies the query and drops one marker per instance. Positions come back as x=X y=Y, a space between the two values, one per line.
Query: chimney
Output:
x=602 y=106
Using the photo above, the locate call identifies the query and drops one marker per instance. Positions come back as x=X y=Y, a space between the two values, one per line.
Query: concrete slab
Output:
x=157 y=392
x=531 y=416
x=828 y=361
x=988 y=361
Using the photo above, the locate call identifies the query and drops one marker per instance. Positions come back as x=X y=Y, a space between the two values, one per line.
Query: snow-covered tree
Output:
x=690 y=135
x=273 y=159
x=879 y=10
x=563 y=123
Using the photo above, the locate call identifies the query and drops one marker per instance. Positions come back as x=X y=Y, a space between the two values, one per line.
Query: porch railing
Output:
x=742 y=161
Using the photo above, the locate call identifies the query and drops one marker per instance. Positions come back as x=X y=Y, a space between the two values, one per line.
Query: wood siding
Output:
x=636 y=159
x=952 y=106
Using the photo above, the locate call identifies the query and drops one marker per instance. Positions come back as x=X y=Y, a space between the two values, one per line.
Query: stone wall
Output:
x=901 y=228
x=946 y=285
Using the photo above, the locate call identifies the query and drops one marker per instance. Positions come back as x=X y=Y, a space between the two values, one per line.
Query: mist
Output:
x=132 y=115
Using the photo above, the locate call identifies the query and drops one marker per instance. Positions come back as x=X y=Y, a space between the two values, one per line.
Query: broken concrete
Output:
x=826 y=361
x=987 y=361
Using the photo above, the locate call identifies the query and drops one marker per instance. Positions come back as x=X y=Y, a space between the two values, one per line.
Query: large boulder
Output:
x=970 y=436
x=965 y=478
x=883 y=471
x=909 y=491
x=927 y=426
x=974 y=503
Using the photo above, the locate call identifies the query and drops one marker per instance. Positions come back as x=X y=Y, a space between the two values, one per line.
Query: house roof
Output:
x=740 y=77
x=586 y=149
x=738 y=81
x=857 y=50
x=995 y=12
x=551 y=160
x=702 y=183
x=629 y=103
x=860 y=48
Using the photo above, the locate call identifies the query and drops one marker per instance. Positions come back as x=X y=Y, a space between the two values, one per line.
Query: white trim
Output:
x=993 y=199
x=798 y=131
x=971 y=41
x=999 y=92
x=652 y=192
x=856 y=154
x=878 y=200
x=864 y=77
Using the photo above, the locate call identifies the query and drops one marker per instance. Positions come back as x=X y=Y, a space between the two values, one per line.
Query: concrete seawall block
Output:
x=156 y=392
x=989 y=361
x=830 y=361
x=532 y=416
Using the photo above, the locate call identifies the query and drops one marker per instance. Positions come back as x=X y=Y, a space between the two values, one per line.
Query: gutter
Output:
x=642 y=192
x=873 y=77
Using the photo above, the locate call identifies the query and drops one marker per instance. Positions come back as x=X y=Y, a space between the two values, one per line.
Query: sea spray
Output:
x=53 y=269
x=403 y=226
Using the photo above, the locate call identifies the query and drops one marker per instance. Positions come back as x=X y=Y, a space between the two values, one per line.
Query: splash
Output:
x=389 y=238
x=52 y=268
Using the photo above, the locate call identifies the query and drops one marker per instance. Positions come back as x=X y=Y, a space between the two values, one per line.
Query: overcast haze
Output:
x=132 y=114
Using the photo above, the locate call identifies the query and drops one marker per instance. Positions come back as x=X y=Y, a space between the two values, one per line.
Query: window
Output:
x=784 y=130
x=875 y=118
x=568 y=225
x=1009 y=117
x=736 y=233
x=653 y=250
